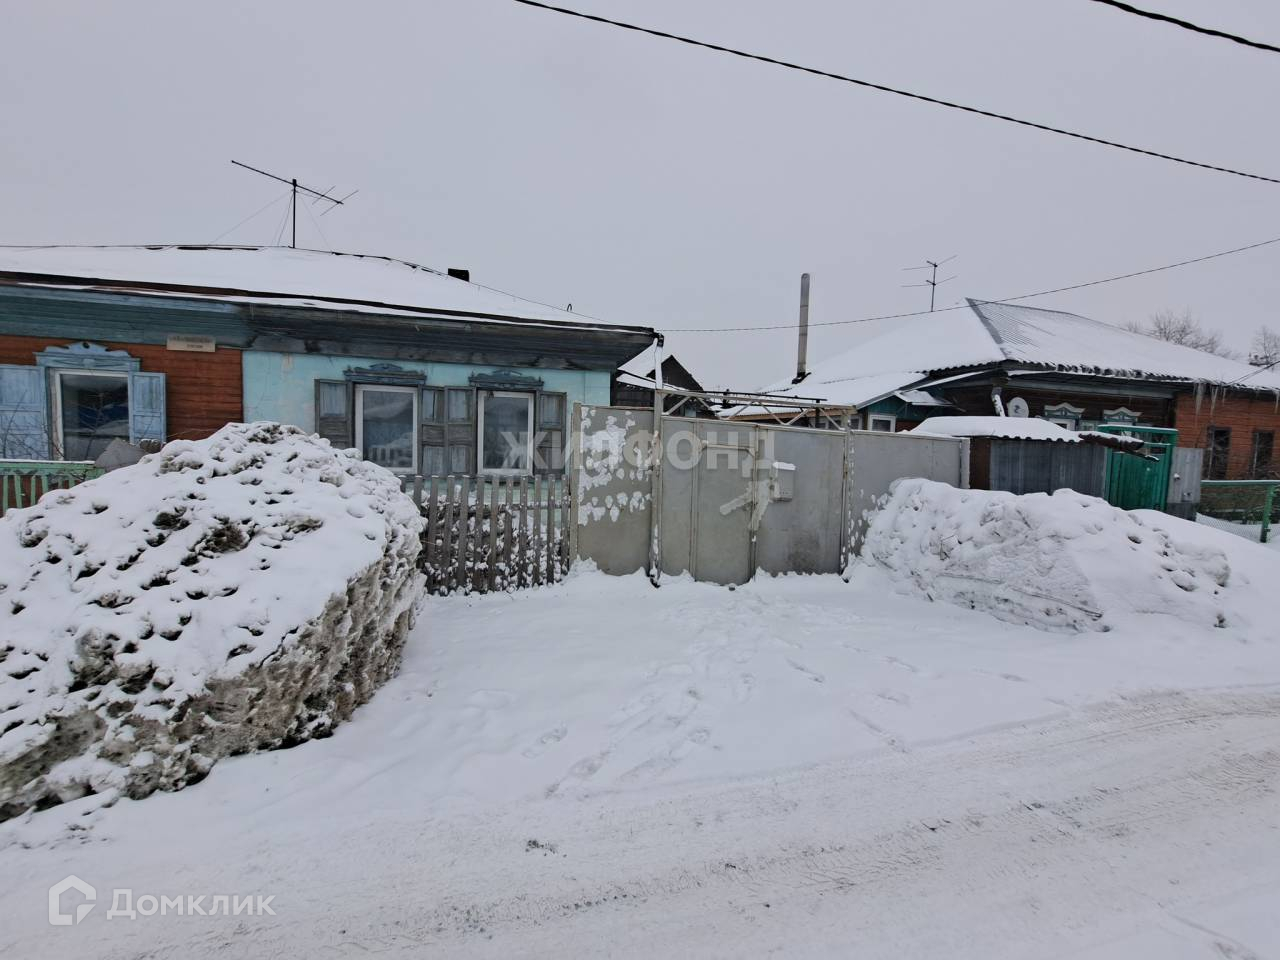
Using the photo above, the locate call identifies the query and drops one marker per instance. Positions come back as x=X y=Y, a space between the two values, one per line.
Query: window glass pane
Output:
x=506 y=432
x=431 y=406
x=551 y=452
x=460 y=460
x=1263 y=447
x=883 y=424
x=552 y=410
x=432 y=461
x=95 y=411
x=387 y=427
x=1219 y=451
x=459 y=406
x=333 y=399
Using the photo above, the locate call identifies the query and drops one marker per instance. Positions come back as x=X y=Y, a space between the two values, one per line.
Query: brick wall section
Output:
x=1242 y=414
x=204 y=391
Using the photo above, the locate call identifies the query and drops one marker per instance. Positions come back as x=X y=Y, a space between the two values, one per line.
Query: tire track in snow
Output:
x=1171 y=764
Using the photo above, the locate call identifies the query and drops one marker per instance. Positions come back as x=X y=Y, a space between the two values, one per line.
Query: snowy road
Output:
x=1024 y=843
x=896 y=779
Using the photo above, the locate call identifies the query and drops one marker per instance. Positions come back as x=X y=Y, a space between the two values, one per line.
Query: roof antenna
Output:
x=295 y=186
x=933 y=282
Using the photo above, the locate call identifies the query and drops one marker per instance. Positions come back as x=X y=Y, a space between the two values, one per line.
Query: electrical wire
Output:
x=886 y=89
x=316 y=223
x=284 y=223
x=1188 y=25
x=262 y=209
x=1024 y=296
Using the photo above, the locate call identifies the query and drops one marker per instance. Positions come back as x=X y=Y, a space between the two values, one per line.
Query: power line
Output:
x=1250 y=376
x=1188 y=25
x=885 y=89
x=1024 y=296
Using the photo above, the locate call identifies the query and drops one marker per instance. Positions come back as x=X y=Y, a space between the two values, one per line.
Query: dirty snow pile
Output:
x=1066 y=561
x=241 y=592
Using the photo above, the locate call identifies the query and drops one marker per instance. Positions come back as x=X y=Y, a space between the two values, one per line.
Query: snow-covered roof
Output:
x=1005 y=428
x=921 y=398
x=1023 y=428
x=278 y=274
x=986 y=334
x=1077 y=344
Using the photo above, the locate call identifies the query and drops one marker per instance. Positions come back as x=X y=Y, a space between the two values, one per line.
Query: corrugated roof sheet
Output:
x=986 y=334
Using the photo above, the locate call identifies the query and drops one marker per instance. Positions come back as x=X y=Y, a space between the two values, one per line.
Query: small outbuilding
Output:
x=1027 y=455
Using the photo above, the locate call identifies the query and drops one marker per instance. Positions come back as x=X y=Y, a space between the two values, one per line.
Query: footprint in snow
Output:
x=545 y=741
x=909 y=667
x=815 y=677
x=490 y=699
x=894 y=696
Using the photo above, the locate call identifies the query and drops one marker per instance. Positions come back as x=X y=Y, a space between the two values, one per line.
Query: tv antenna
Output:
x=933 y=282
x=295 y=186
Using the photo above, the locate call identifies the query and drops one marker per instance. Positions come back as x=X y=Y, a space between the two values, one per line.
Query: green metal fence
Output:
x=1248 y=502
x=23 y=482
x=1140 y=480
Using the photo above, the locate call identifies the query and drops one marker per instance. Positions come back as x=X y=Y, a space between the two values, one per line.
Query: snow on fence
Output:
x=492 y=533
x=23 y=482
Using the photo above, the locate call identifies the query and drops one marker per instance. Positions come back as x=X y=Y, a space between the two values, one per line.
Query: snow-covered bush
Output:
x=1065 y=561
x=224 y=595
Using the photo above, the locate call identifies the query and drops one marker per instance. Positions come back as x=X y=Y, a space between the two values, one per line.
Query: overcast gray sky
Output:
x=647 y=182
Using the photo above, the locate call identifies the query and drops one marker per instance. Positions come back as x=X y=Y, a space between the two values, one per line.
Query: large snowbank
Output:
x=1067 y=561
x=244 y=591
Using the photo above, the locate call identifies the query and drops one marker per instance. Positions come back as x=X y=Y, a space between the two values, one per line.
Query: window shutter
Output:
x=550 y=429
x=24 y=421
x=146 y=407
x=433 y=433
x=460 y=430
x=333 y=412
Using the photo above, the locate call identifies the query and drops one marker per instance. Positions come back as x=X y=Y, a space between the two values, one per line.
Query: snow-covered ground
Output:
x=799 y=767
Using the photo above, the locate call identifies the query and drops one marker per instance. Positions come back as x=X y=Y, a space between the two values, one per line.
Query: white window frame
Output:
x=1122 y=415
x=58 y=374
x=481 y=396
x=359 y=424
x=873 y=417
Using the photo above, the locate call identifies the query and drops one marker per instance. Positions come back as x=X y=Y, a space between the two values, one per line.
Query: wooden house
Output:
x=985 y=358
x=423 y=371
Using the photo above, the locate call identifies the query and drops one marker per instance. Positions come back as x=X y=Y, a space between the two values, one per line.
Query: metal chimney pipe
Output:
x=803 y=349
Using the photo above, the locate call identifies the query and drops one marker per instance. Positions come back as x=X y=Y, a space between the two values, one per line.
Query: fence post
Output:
x=1266 y=514
x=537 y=532
x=433 y=517
x=568 y=527
x=551 y=530
x=493 y=534
x=522 y=547
x=466 y=540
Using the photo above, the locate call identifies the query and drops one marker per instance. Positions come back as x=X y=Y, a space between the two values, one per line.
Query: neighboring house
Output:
x=424 y=372
x=990 y=358
x=634 y=383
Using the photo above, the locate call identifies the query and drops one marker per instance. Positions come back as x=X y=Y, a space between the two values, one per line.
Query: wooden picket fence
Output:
x=23 y=482
x=492 y=533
